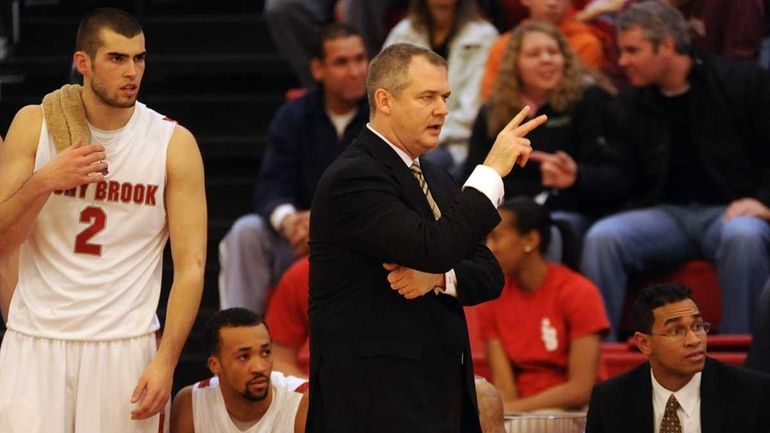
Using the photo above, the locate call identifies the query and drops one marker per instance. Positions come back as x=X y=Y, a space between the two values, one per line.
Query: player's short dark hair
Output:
x=655 y=296
x=331 y=32
x=231 y=317
x=88 y=37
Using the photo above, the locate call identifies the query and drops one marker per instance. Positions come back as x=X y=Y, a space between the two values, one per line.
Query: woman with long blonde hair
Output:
x=540 y=69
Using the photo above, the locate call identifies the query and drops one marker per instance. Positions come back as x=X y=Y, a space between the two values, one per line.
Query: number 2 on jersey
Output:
x=97 y=218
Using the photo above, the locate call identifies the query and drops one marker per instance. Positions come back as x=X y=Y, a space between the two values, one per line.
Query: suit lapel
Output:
x=408 y=184
x=712 y=408
x=639 y=412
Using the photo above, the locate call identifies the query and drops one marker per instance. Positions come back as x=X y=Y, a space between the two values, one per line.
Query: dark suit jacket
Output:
x=732 y=400
x=379 y=362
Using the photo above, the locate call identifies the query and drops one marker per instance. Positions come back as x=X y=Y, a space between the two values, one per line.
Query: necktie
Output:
x=670 y=422
x=417 y=172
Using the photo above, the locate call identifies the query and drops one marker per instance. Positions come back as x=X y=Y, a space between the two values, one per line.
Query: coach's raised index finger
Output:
x=526 y=128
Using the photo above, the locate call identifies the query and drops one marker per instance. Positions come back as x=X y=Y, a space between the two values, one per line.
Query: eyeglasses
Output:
x=679 y=333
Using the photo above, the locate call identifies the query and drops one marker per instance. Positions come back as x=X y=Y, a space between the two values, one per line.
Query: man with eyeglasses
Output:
x=680 y=389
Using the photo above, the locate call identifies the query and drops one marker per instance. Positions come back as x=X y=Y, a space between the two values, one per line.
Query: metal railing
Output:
x=557 y=422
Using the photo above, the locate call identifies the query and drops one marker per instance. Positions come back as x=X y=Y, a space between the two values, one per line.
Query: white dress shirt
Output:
x=689 y=404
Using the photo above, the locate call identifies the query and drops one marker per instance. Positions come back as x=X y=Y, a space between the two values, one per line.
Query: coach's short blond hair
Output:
x=388 y=70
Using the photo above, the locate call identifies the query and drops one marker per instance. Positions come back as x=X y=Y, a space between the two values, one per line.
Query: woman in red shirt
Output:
x=543 y=334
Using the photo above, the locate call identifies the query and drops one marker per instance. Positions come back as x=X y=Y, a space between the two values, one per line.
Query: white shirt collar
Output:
x=403 y=155
x=688 y=396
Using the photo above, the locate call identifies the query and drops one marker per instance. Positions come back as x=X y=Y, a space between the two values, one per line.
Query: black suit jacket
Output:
x=379 y=362
x=732 y=400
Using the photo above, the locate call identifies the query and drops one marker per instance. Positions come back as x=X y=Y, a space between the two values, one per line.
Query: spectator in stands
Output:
x=758 y=357
x=601 y=10
x=584 y=40
x=692 y=148
x=371 y=19
x=731 y=29
x=305 y=136
x=543 y=334
x=455 y=31
x=287 y=317
x=679 y=389
x=245 y=393
x=296 y=25
x=540 y=69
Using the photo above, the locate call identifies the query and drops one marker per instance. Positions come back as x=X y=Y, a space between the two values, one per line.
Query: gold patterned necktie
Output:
x=417 y=172
x=670 y=422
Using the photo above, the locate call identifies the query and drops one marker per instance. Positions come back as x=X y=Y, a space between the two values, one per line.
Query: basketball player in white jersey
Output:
x=245 y=396
x=86 y=227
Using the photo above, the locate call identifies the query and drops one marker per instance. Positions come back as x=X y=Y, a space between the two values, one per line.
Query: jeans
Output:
x=252 y=258
x=579 y=224
x=666 y=236
x=295 y=26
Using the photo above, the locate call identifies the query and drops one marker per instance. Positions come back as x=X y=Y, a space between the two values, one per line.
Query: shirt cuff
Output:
x=279 y=213
x=450 y=284
x=488 y=182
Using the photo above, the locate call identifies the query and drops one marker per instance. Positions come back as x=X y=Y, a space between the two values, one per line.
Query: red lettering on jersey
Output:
x=204 y=383
x=97 y=219
x=113 y=191
x=125 y=192
x=139 y=194
x=101 y=191
x=149 y=199
x=58 y=192
x=70 y=192
x=302 y=388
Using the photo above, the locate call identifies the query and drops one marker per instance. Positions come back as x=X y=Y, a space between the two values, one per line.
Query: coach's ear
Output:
x=214 y=365
x=383 y=100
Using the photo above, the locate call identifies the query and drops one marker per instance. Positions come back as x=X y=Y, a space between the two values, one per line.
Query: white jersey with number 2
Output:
x=91 y=267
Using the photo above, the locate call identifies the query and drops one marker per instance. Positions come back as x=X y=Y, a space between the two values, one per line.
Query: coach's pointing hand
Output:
x=510 y=146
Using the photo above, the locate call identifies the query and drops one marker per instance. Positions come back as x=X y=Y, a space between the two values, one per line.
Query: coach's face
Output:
x=417 y=113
